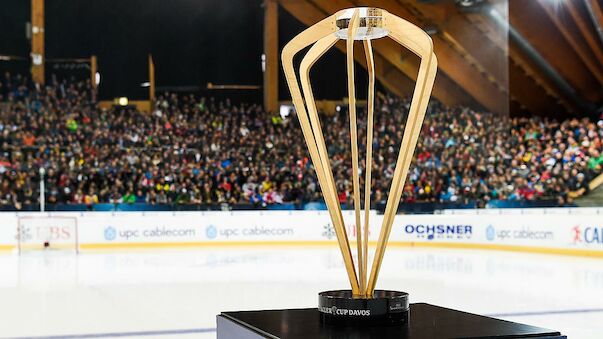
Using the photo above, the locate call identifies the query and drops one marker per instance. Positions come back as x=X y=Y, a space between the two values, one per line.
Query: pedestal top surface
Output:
x=426 y=321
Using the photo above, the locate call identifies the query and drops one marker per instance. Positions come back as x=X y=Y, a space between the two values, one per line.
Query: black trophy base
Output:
x=427 y=321
x=385 y=308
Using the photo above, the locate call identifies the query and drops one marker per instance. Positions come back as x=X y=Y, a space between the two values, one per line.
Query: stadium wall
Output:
x=575 y=232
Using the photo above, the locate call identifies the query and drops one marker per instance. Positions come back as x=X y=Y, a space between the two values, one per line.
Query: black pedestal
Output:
x=426 y=321
x=341 y=307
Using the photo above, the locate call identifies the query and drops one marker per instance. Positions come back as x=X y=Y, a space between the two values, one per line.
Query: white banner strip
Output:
x=555 y=233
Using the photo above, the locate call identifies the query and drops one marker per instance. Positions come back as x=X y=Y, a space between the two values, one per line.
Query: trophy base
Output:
x=384 y=308
x=427 y=321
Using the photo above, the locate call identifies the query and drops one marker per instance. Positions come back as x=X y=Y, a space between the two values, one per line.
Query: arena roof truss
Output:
x=479 y=65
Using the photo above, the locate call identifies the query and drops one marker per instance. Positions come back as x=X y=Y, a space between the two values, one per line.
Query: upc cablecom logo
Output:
x=110 y=233
x=211 y=232
x=588 y=234
x=490 y=233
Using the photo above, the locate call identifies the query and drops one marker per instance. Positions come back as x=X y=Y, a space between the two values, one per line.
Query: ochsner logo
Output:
x=431 y=232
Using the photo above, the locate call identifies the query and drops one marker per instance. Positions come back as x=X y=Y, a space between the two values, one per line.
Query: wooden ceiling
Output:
x=480 y=65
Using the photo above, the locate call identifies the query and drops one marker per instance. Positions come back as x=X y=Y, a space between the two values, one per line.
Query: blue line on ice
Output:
x=122 y=334
x=520 y=314
x=209 y=330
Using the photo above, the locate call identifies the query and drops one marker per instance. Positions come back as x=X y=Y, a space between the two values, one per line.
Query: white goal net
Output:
x=47 y=233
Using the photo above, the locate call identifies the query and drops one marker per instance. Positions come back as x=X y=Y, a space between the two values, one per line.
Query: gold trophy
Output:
x=361 y=304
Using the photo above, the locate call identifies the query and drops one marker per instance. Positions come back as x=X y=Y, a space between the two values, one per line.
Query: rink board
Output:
x=578 y=233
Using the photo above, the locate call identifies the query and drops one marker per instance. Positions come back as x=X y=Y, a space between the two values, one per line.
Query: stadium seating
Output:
x=191 y=152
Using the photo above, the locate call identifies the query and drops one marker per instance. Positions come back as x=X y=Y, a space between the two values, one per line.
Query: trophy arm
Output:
x=408 y=35
x=330 y=191
x=352 y=29
x=322 y=35
x=370 y=66
x=419 y=43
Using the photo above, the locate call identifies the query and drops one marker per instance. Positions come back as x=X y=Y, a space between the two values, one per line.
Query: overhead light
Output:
x=36 y=59
x=97 y=78
x=123 y=101
x=263 y=62
x=145 y=84
x=285 y=111
x=469 y=5
x=431 y=30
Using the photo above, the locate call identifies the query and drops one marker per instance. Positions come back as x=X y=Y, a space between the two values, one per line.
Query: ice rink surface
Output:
x=177 y=293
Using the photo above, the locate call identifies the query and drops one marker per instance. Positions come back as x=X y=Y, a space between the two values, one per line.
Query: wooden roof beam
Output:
x=587 y=30
x=556 y=16
x=463 y=37
x=531 y=72
x=468 y=38
x=598 y=10
x=450 y=62
x=559 y=55
x=388 y=60
x=531 y=96
x=308 y=14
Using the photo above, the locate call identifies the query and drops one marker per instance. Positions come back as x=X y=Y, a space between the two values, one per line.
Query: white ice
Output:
x=163 y=292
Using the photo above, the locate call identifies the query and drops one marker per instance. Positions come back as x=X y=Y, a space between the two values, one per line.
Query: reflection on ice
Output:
x=169 y=289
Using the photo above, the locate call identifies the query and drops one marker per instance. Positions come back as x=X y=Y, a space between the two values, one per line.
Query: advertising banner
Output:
x=504 y=231
x=8 y=230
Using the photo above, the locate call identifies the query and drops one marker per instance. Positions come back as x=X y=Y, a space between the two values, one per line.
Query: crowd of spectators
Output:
x=192 y=150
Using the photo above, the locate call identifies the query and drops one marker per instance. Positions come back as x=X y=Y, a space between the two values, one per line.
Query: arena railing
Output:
x=406 y=208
